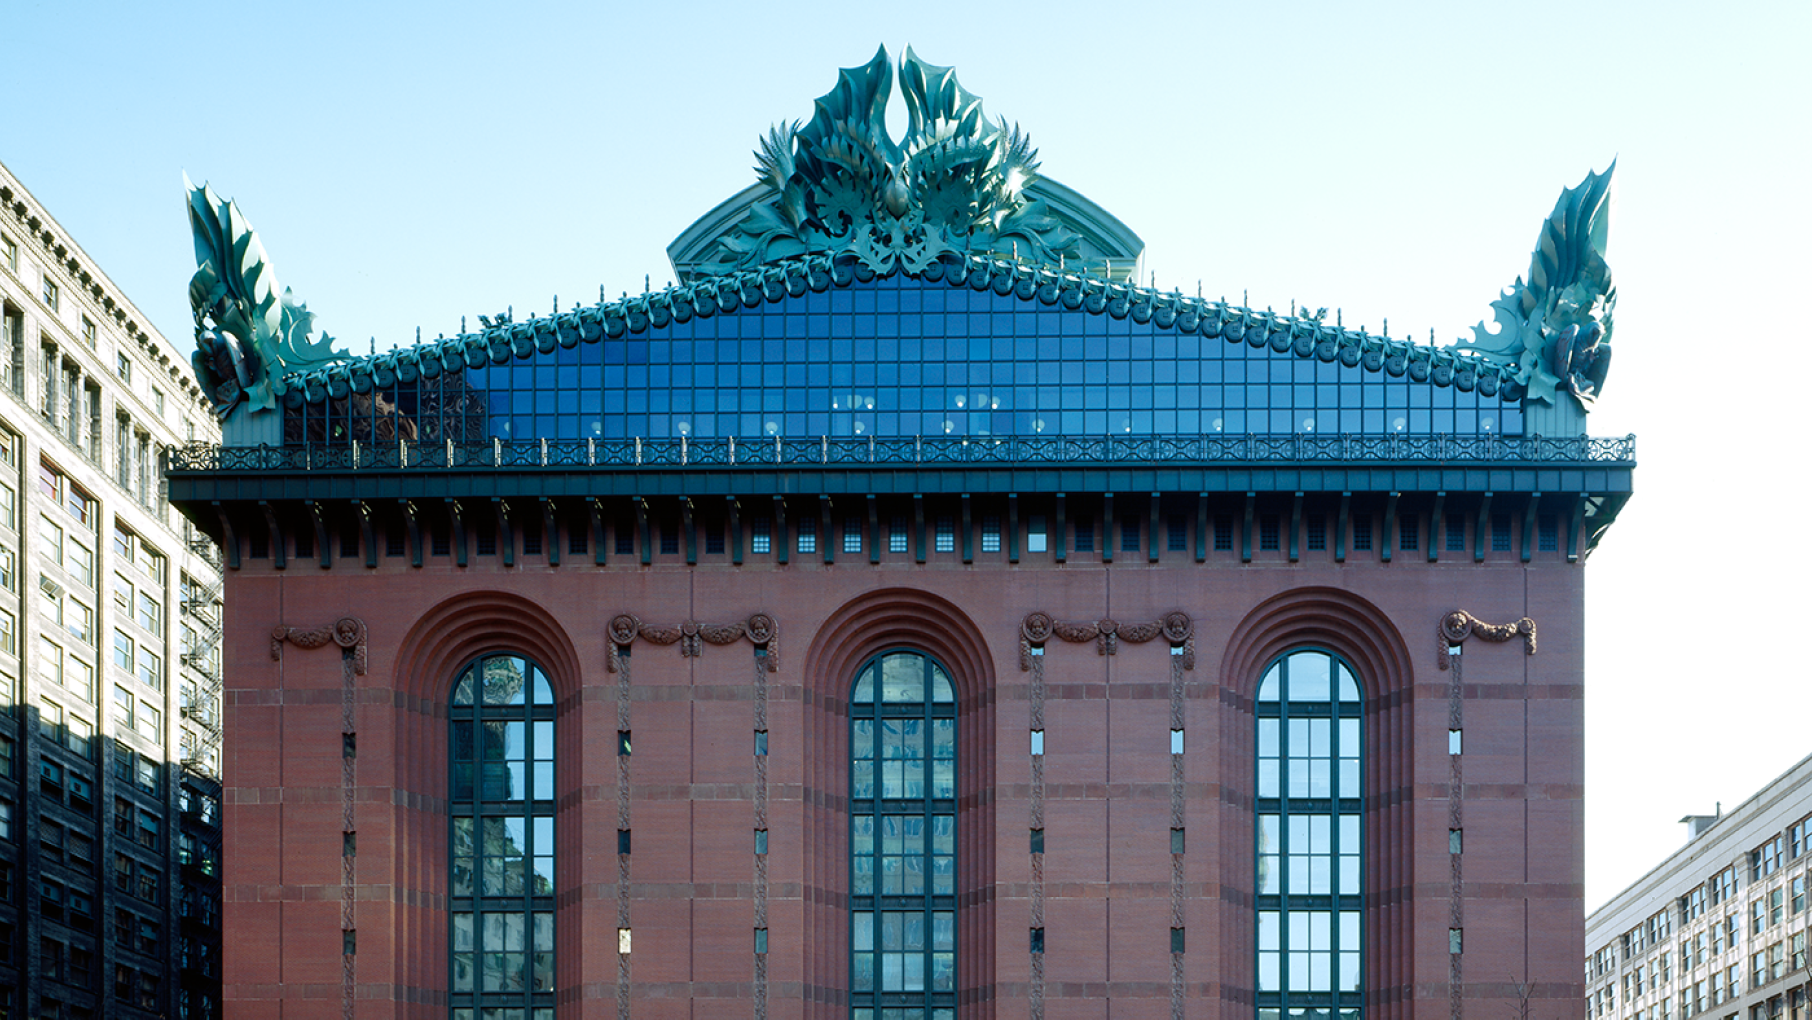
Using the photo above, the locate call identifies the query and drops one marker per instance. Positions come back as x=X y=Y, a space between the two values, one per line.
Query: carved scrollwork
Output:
x=348 y=632
x=691 y=636
x=1459 y=625
x=1175 y=627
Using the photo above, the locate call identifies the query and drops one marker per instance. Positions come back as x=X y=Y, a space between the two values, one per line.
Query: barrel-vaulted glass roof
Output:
x=906 y=356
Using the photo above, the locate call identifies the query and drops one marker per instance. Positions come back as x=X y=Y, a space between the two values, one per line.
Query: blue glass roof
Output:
x=907 y=356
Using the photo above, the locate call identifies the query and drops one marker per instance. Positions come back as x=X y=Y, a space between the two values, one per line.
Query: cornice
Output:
x=35 y=224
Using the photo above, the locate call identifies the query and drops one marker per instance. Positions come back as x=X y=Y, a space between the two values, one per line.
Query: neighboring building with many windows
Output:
x=109 y=637
x=906 y=615
x=1718 y=928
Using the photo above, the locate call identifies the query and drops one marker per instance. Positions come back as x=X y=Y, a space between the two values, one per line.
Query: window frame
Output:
x=1285 y=900
x=929 y=999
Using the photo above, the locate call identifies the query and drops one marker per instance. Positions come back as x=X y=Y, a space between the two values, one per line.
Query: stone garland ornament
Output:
x=1459 y=625
x=347 y=632
x=691 y=636
x=1554 y=331
x=841 y=184
x=1175 y=627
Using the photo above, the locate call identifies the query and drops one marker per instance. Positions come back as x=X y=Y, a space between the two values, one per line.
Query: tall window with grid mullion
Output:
x=1310 y=900
x=502 y=842
x=902 y=840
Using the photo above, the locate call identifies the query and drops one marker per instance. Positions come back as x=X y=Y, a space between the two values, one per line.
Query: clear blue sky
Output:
x=407 y=164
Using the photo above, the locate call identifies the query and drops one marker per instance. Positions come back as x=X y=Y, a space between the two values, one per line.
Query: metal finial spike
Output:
x=418 y=334
x=1431 y=342
x=1292 y=308
x=511 y=312
x=601 y=297
x=1339 y=318
x=462 y=324
x=374 y=347
x=556 y=304
x=1245 y=298
x=1387 y=327
x=645 y=283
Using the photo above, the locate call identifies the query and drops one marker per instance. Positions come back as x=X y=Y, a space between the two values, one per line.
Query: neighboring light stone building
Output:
x=906 y=615
x=109 y=665
x=1720 y=926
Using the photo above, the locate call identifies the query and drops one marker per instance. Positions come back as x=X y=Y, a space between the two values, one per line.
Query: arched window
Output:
x=902 y=840
x=501 y=794
x=1310 y=846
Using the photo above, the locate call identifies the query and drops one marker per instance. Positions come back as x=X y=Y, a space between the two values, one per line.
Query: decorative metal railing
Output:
x=926 y=451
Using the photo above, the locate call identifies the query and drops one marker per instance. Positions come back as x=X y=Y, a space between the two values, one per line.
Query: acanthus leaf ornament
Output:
x=1553 y=329
x=250 y=332
x=956 y=182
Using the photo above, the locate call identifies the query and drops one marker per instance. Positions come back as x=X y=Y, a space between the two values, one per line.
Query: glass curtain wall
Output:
x=502 y=804
x=1310 y=901
x=902 y=840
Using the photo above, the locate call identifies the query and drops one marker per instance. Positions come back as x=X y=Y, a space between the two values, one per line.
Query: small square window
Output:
x=1129 y=536
x=123 y=368
x=761 y=941
x=625 y=545
x=51 y=293
x=1269 y=532
x=1453 y=741
x=1223 y=534
x=760 y=536
x=808 y=534
x=1362 y=532
x=1037 y=940
x=852 y=534
x=1176 y=940
x=1177 y=537
x=1176 y=741
x=88 y=331
x=1176 y=841
x=1409 y=533
x=761 y=743
x=946 y=535
x=1037 y=841
x=1549 y=540
x=1318 y=533
x=623 y=941
x=1037 y=742
x=990 y=537
x=1455 y=940
x=622 y=841
x=1085 y=534
x=1500 y=533
x=1454 y=841
x=761 y=841
x=1035 y=535
x=622 y=743
x=1456 y=532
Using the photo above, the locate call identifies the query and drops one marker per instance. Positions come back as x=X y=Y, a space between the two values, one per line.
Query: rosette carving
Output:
x=1175 y=627
x=348 y=632
x=1459 y=625
x=692 y=636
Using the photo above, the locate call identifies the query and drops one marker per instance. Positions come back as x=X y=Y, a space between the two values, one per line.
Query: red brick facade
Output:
x=691 y=787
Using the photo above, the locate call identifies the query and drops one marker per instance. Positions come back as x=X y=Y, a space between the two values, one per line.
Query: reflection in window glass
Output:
x=899 y=357
x=1309 y=896
x=501 y=733
x=903 y=838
